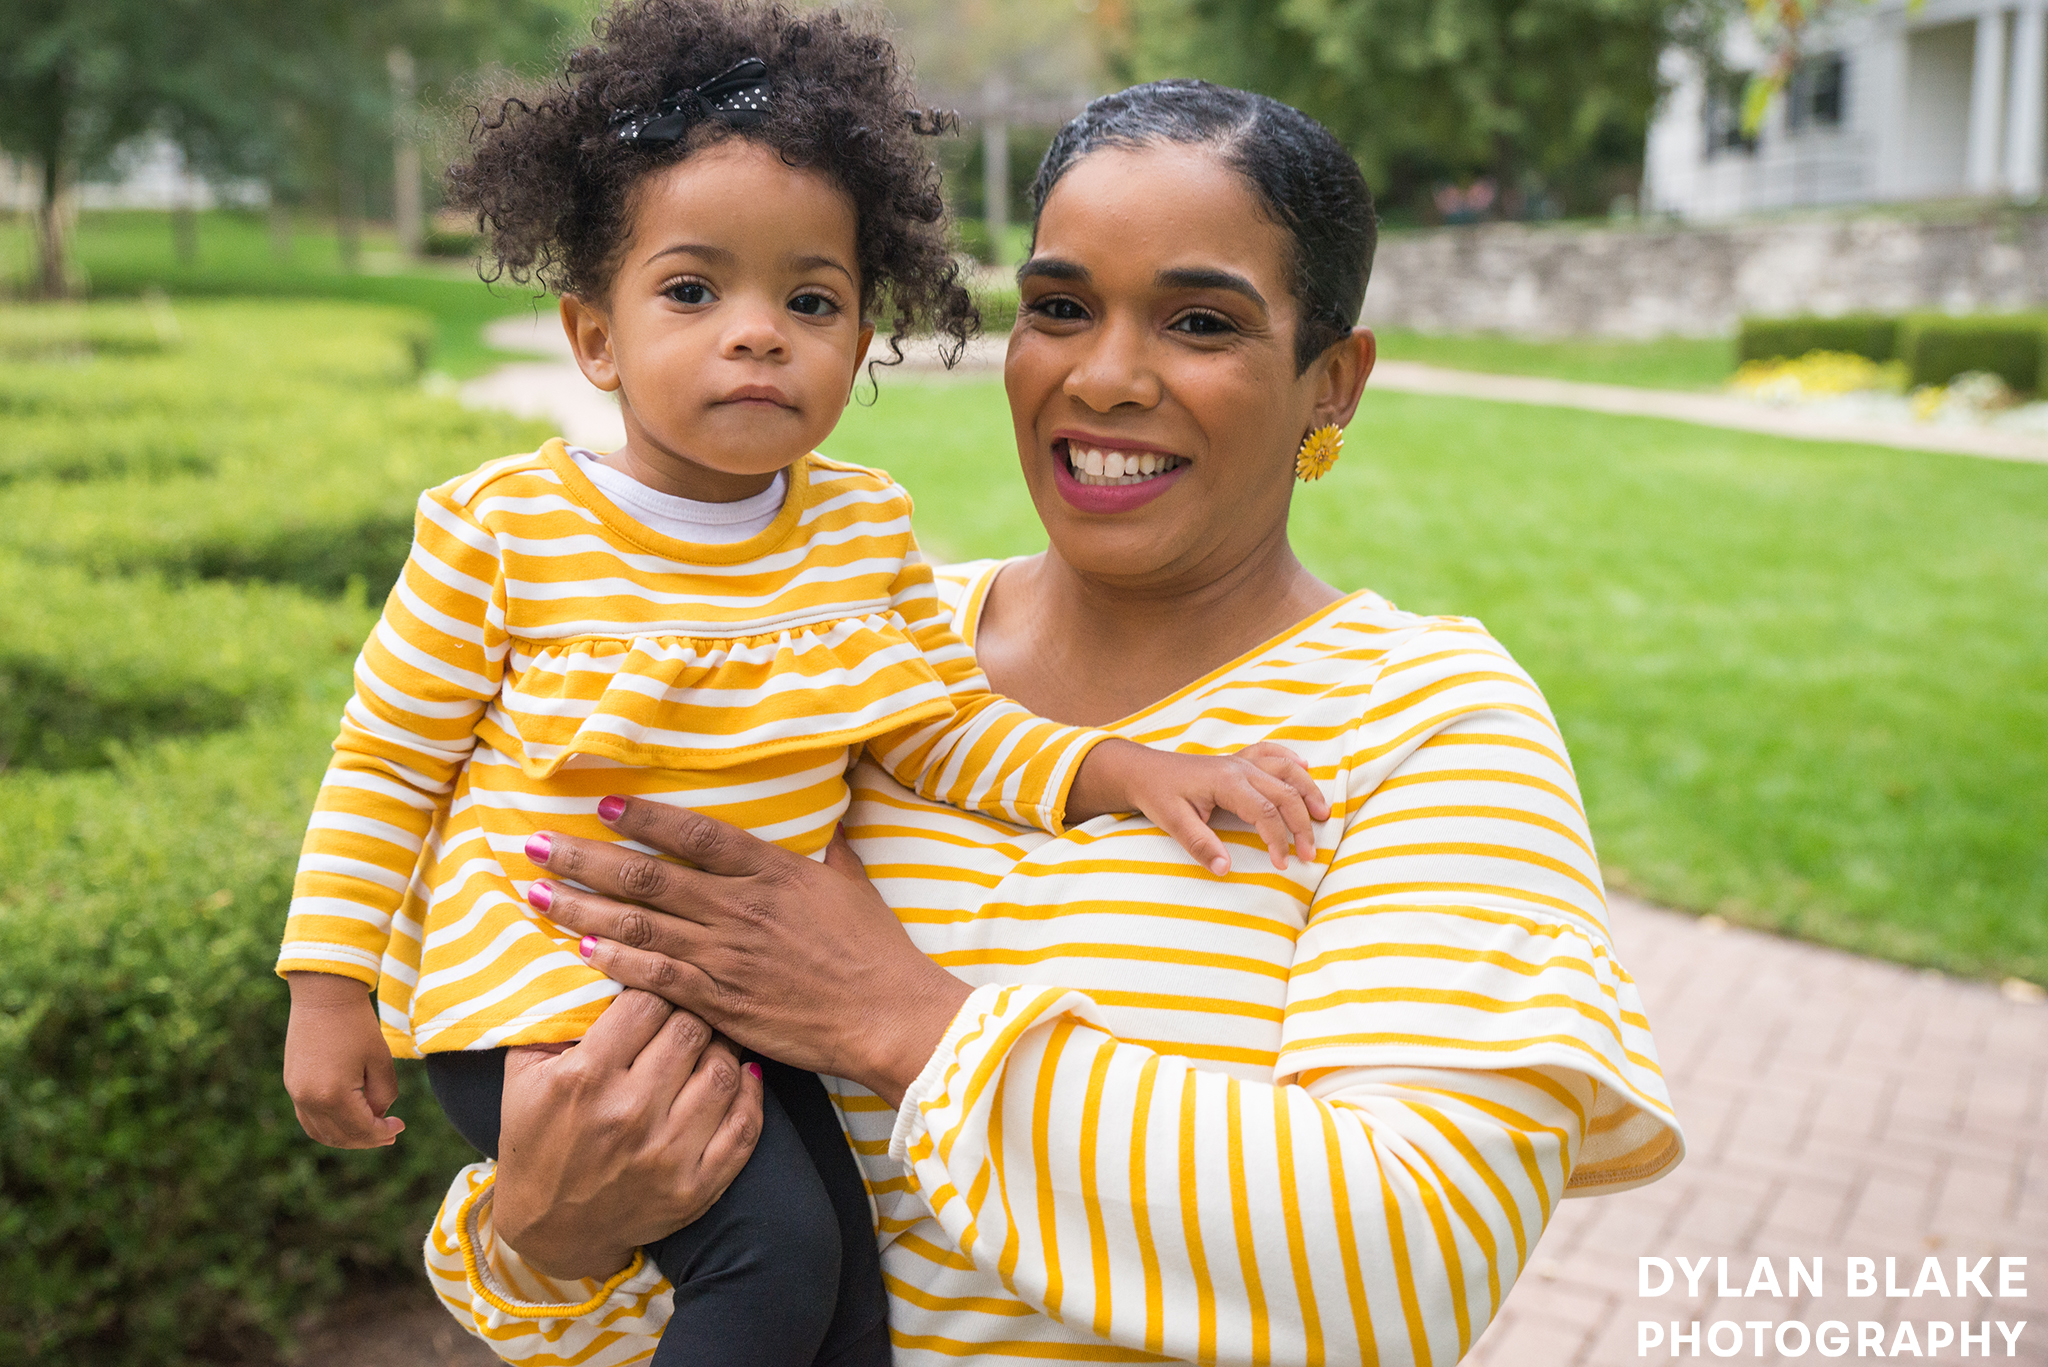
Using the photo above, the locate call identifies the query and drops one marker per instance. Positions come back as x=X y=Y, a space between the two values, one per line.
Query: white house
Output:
x=1891 y=102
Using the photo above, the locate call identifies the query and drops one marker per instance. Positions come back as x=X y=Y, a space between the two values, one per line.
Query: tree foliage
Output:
x=298 y=95
x=1542 y=95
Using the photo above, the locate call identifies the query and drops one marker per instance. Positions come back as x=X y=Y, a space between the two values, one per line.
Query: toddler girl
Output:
x=712 y=615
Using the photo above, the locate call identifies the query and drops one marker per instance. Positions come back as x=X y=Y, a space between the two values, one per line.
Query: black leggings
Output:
x=782 y=1270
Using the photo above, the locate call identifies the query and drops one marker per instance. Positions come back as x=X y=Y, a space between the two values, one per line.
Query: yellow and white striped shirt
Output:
x=1319 y=1116
x=542 y=650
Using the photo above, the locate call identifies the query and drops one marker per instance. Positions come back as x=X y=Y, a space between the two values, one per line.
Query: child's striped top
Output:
x=1319 y=1116
x=541 y=650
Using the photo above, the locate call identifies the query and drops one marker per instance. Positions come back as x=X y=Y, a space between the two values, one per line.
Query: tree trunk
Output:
x=52 y=280
x=185 y=234
x=348 y=193
x=280 y=227
x=995 y=166
x=407 y=212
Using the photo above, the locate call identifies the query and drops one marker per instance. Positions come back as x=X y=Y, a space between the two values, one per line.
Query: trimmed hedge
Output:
x=158 y=1201
x=278 y=442
x=157 y=1198
x=1935 y=347
x=1860 y=334
x=1938 y=349
x=88 y=665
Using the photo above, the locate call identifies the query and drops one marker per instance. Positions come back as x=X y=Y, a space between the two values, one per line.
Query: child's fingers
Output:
x=1186 y=826
x=1297 y=830
x=1282 y=763
x=380 y=1083
x=347 y=1122
x=1255 y=799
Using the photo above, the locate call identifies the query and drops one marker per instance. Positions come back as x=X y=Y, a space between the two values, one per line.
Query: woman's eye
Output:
x=689 y=292
x=1203 y=324
x=813 y=305
x=1057 y=308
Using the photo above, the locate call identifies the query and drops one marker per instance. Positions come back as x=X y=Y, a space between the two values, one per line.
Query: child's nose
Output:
x=755 y=330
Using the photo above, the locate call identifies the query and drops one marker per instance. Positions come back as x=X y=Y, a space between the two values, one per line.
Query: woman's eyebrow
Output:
x=1209 y=278
x=1051 y=268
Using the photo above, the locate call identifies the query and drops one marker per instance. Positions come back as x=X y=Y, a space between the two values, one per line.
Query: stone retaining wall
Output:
x=1642 y=281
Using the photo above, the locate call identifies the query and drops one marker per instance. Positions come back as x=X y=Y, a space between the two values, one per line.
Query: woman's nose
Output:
x=1114 y=369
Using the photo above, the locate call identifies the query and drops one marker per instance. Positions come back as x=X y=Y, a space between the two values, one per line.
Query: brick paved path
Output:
x=1834 y=1107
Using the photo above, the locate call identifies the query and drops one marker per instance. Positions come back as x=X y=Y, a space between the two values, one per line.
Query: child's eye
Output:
x=1203 y=324
x=1057 y=308
x=813 y=305
x=689 y=292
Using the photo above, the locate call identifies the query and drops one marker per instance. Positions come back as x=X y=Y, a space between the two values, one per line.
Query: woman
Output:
x=1109 y=1105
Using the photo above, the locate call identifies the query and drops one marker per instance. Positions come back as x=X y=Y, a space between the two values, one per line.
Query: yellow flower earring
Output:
x=1318 y=452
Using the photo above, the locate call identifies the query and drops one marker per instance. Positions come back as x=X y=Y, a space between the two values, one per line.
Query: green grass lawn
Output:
x=126 y=252
x=1805 y=685
x=1665 y=363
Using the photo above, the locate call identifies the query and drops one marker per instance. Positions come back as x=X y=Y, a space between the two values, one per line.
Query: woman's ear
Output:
x=1340 y=376
x=590 y=337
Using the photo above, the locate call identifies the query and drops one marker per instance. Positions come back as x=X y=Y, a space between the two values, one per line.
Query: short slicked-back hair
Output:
x=1304 y=178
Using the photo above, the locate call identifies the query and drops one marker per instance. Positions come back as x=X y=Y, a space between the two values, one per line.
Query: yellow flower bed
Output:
x=1817 y=374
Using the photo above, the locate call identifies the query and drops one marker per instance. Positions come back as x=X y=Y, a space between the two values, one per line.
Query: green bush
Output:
x=157 y=1198
x=61 y=446
x=1937 y=349
x=305 y=432
x=158 y=1202
x=75 y=332
x=90 y=665
x=1861 y=334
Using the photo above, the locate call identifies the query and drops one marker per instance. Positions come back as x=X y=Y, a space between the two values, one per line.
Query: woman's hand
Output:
x=799 y=960
x=617 y=1140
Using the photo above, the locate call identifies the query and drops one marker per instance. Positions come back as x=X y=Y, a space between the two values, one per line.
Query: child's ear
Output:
x=860 y=354
x=590 y=337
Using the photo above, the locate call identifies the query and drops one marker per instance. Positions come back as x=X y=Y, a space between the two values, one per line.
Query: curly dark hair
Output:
x=552 y=184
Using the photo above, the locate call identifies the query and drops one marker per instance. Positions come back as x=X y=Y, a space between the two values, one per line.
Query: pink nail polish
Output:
x=537 y=846
x=608 y=809
x=754 y=1068
x=541 y=895
x=587 y=946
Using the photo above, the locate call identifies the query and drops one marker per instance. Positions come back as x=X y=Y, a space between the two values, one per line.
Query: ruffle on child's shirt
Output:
x=693 y=703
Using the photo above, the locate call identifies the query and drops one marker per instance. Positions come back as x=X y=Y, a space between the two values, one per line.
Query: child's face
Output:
x=733 y=330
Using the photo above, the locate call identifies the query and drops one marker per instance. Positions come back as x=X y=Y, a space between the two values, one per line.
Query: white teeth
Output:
x=1097 y=468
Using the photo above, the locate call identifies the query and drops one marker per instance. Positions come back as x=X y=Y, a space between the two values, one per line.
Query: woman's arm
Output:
x=627 y=1136
x=1375 y=1215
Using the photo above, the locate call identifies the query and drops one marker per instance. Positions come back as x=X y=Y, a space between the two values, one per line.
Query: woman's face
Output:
x=1156 y=337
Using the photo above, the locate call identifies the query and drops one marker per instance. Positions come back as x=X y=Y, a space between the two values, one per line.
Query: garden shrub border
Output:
x=1934 y=347
x=158 y=1201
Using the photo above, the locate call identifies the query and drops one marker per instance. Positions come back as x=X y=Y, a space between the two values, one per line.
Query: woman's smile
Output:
x=1098 y=476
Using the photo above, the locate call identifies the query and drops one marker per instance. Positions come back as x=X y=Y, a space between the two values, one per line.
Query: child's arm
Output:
x=337 y=1067
x=1265 y=785
x=994 y=756
x=426 y=674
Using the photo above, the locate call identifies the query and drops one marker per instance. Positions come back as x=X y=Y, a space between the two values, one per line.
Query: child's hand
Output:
x=1265 y=785
x=336 y=1064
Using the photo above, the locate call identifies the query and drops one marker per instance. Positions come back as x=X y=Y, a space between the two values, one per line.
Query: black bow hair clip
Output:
x=739 y=95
